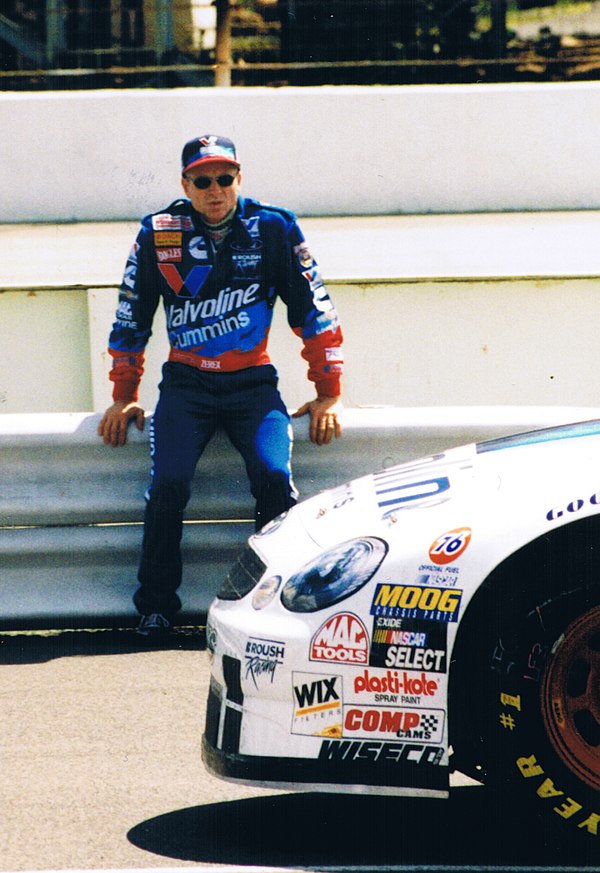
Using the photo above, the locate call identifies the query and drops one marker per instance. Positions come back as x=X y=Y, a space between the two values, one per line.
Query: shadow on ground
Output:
x=42 y=646
x=320 y=831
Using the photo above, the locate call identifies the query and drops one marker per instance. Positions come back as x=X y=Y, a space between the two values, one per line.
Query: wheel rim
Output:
x=570 y=695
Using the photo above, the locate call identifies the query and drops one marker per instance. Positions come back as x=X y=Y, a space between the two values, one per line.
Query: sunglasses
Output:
x=204 y=182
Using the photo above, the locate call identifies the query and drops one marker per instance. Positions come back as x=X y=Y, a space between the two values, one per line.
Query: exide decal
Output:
x=342 y=639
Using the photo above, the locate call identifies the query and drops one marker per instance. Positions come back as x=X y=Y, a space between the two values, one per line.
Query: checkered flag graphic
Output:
x=430 y=723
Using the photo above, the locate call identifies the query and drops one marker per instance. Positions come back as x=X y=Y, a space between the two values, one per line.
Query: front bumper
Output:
x=337 y=765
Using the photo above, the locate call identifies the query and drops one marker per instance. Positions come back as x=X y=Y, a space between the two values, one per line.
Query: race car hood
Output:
x=472 y=473
x=368 y=503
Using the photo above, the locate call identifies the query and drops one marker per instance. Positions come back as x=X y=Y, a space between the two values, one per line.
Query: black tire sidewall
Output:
x=521 y=756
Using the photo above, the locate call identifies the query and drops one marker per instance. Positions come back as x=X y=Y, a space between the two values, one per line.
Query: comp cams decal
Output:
x=382 y=722
x=423 y=483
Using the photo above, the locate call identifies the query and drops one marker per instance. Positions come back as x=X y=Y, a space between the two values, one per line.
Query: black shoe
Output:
x=154 y=626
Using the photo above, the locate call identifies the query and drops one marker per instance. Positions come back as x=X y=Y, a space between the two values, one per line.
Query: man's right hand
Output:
x=115 y=421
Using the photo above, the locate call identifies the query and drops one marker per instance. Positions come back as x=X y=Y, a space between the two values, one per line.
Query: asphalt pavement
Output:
x=100 y=769
x=97 y=737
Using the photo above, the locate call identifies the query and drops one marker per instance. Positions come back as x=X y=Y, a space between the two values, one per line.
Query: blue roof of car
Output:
x=547 y=435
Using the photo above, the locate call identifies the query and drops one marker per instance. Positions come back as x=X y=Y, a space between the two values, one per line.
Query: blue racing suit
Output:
x=219 y=306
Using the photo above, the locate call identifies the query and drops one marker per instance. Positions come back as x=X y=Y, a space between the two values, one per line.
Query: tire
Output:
x=541 y=725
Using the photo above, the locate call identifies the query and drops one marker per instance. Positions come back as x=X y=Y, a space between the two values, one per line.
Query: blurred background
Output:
x=81 y=44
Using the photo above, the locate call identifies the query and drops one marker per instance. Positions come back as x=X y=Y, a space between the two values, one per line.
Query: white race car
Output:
x=436 y=616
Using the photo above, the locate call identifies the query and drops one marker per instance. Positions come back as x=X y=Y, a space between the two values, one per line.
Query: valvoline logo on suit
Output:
x=190 y=285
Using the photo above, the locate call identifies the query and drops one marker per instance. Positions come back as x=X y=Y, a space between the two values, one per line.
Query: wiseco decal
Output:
x=379 y=754
x=343 y=639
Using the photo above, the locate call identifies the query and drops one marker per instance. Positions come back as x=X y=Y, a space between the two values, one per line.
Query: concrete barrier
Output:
x=318 y=151
x=407 y=341
x=71 y=508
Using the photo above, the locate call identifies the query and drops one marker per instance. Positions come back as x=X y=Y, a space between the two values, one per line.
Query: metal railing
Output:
x=580 y=64
x=71 y=508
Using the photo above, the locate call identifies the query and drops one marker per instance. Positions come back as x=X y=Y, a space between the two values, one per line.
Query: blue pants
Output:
x=191 y=406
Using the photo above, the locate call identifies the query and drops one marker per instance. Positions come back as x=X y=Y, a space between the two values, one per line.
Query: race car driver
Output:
x=218 y=261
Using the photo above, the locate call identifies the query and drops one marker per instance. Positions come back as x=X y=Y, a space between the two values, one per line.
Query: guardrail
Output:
x=71 y=507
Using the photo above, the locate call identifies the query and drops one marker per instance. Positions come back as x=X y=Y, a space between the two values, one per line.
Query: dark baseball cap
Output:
x=206 y=150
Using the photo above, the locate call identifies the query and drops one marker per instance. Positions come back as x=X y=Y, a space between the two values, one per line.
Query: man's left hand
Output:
x=324 y=421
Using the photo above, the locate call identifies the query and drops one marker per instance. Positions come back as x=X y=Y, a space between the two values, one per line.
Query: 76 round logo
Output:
x=450 y=545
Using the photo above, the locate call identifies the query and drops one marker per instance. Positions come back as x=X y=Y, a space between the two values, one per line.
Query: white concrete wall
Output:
x=104 y=155
x=478 y=343
x=45 y=361
x=518 y=343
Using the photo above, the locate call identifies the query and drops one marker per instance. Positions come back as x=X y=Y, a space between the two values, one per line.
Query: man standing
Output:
x=218 y=261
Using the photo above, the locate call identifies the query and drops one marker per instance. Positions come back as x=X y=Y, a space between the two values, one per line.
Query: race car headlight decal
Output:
x=334 y=575
x=266 y=591
x=243 y=576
